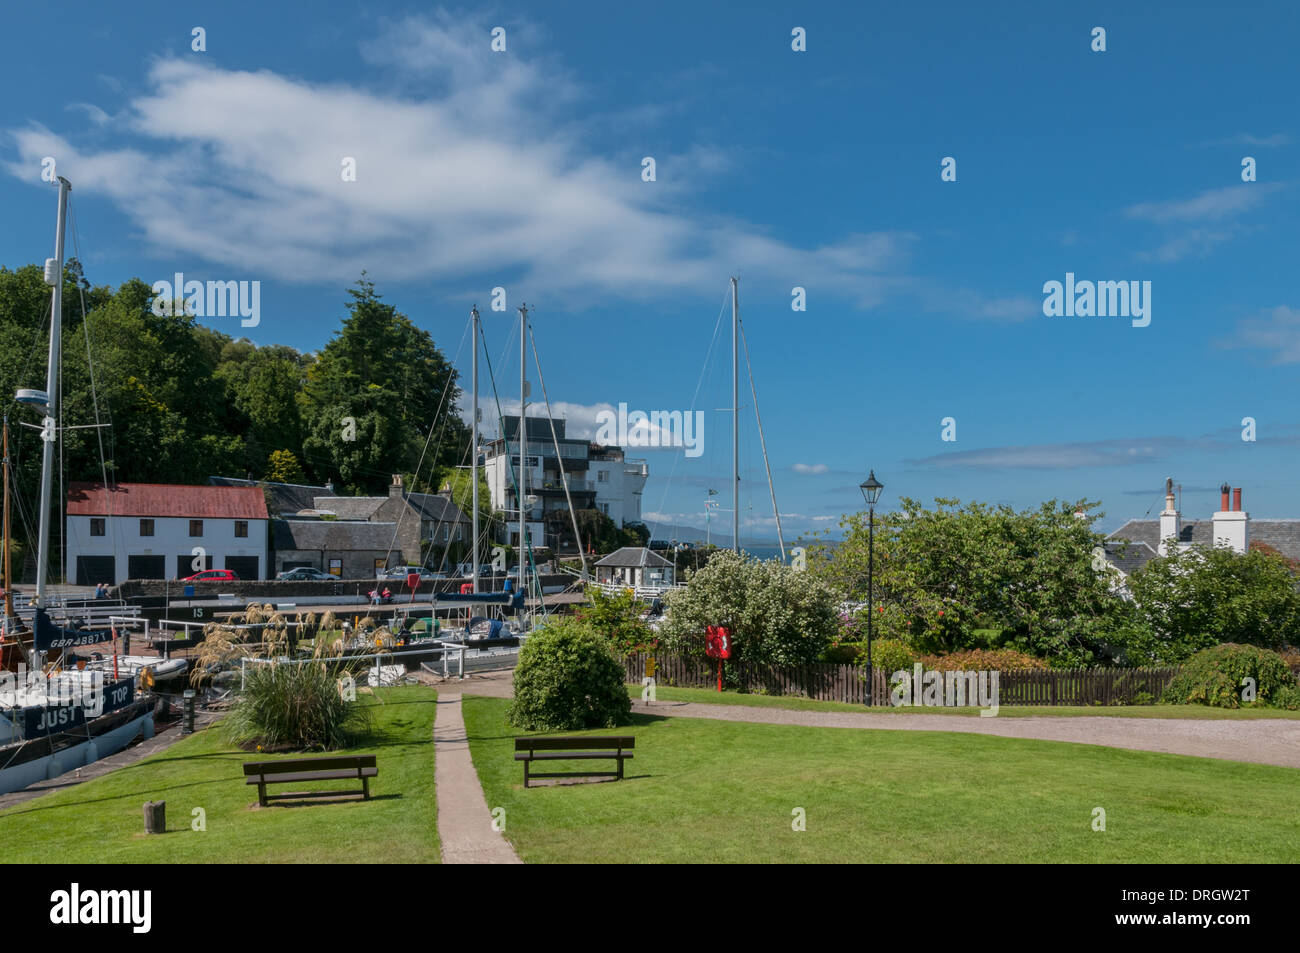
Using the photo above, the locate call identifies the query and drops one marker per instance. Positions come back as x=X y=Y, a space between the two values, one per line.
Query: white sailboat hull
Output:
x=19 y=776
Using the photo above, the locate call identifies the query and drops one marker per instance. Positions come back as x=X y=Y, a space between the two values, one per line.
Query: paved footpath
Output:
x=464 y=821
x=1264 y=740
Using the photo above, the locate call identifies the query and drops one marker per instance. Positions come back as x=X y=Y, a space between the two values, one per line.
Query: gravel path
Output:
x=1263 y=741
x=464 y=821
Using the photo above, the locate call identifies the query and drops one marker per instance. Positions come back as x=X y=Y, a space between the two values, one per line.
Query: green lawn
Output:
x=711 y=697
x=712 y=791
x=101 y=821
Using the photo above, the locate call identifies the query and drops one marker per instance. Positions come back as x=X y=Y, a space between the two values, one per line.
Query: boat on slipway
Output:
x=56 y=716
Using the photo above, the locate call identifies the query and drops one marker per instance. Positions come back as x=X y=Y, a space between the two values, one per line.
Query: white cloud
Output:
x=810 y=468
x=1277 y=330
x=471 y=174
x=1210 y=205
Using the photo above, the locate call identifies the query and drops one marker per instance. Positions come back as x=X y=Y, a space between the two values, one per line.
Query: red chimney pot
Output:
x=1236 y=499
x=1223 y=498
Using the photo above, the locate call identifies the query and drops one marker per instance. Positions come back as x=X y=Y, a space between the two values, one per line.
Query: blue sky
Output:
x=818 y=169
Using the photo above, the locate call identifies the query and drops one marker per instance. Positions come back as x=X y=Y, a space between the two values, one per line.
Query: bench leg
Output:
x=365 y=789
x=526 y=764
x=620 y=766
x=261 y=794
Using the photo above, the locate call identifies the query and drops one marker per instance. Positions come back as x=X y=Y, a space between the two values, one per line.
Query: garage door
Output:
x=185 y=565
x=245 y=567
x=92 y=570
x=146 y=567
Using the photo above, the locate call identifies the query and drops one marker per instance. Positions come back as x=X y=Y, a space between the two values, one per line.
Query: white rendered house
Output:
x=163 y=531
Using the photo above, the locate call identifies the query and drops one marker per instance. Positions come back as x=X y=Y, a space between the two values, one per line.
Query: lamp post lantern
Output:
x=871 y=488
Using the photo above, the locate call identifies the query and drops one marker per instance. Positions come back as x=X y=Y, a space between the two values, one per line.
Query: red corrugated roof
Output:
x=162 y=500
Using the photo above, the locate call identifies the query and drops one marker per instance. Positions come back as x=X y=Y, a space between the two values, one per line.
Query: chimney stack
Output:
x=1170 y=521
x=1231 y=523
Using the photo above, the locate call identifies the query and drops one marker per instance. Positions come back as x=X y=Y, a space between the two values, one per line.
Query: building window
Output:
x=446 y=532
x=96 y=526
x=146 y=527
x=196 y=527
x=459 y=530
x=241 y=529
x=380 y=565
x=602 y=476
x=336 y=567
x=604 y=508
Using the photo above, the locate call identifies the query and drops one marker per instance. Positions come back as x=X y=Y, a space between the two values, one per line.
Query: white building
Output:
x=163 y=531
x=599 y=478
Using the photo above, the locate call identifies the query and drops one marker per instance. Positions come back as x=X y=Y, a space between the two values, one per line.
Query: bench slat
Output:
x=574 y=742
x=568 y=755
x=324 y=763
x=313 y=776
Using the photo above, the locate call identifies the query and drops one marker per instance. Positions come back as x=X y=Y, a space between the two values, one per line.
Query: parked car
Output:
x=401 y=572
x=213 y=575
x=304 y=572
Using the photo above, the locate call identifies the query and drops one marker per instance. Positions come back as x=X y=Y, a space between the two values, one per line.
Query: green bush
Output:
x=1214 y=677
x=568 y=680
x=982 y=660
x=296 y=707
x=1287 y=697
x=888 y=654
x=842 y=653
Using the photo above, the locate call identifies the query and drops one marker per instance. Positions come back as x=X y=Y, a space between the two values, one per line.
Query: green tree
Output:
x=283 y=467
x=617 y=617
x=943 y=574
x=775 y=614
x=1198 y=597
x=378 y=394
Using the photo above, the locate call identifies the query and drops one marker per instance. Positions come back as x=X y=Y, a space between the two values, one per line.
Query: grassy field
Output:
x=710 y=697
x=711 y=791
x=101 y=822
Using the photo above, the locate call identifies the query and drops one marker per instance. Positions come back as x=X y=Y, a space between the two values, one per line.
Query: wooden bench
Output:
x=360 y=767
x=616 y=747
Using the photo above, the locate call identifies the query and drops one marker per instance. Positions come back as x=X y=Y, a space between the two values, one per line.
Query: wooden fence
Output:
x=847 y=683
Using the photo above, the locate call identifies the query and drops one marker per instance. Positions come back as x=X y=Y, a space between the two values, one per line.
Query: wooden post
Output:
x=155 y=817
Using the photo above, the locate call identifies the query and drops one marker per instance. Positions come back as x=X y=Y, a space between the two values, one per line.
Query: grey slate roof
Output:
x=1282 y=535
x=435 y=507
x=283 y=499
x=1130 y=557
x=333 y=535
x=350 y=507
x=633 y=556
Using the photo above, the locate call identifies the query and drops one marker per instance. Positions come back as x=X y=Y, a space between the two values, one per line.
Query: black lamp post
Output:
x=871 y=488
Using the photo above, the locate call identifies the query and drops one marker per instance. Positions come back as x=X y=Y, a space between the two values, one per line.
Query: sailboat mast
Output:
x=473 y=449
x=9 y=583
x=53 y=277
x=523 y=441
x=735 y=416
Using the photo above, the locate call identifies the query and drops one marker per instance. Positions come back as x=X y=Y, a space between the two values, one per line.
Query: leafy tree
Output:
x=617 y=617
x=389 y=378
x=1195 y=598
x=776 y=615
x=283 y=467
x=941 y=574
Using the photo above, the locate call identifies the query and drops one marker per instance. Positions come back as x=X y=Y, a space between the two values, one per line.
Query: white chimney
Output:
x=1170 y=522
x=1232 y=523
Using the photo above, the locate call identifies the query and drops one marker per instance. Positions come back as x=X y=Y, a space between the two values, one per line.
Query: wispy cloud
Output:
x=814 y=468
x=470 y=171
x=1197 y=225
x=1247 y=139
x=1064 y=456
x=1210 y=205
x=1276 y=331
